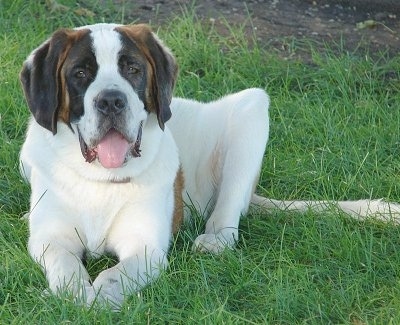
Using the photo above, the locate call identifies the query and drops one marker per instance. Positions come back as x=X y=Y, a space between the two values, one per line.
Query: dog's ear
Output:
x=41 y=79
x=164 y=69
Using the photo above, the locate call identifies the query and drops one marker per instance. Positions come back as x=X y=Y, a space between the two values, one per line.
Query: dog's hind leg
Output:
x=241 y=149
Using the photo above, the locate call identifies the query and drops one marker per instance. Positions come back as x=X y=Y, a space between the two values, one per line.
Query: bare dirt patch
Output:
x=359 y=25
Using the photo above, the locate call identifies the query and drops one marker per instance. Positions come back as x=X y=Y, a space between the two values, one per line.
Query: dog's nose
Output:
x=111 y=101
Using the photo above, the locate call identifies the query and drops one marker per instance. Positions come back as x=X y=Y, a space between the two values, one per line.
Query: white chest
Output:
x=100 y=209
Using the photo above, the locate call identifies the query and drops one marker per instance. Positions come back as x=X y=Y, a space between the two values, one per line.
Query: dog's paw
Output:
x=85 y=291
x=103 y=298
x=215 y=243
x=107 y=290
x=77 y=291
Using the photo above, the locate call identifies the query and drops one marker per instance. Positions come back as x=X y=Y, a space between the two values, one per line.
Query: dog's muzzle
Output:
x=113 y=150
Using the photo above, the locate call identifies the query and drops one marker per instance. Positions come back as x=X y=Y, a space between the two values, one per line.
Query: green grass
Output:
x=334 y=135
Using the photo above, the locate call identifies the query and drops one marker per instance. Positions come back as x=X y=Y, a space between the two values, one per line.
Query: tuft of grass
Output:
x=334 y=135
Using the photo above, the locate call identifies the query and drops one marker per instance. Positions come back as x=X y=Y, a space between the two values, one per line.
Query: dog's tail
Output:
x=361 y=209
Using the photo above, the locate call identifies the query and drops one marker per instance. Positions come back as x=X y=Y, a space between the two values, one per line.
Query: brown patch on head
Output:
x=161 y=69
x=178 y=201
x=63 y=110
x=42 y=81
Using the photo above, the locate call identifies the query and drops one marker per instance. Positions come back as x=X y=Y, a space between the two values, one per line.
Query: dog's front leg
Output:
x=140 y=241
x=130 y=275
x=61 y=262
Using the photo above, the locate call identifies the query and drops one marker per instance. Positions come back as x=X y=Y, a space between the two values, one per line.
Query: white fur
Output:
x=221 y=145
x=70 y=202
x=79 y=207
x=360 y=209
x=72 y=212
x=107 y=45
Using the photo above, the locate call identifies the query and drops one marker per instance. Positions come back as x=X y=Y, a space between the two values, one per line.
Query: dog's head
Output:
x=104 y=79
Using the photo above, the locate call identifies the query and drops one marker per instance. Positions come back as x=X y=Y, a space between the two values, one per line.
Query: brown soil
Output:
x=276 y=22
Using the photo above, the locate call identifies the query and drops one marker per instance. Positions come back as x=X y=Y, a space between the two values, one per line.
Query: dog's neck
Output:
x=120 y=181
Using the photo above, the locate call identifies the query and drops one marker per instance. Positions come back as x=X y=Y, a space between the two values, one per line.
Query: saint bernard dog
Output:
x=111 y=157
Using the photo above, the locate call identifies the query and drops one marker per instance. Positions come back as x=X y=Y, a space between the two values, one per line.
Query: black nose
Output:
x=110 y=101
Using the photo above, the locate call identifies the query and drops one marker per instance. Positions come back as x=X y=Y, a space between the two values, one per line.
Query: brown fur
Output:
x=63 y=109
x=178 y=201
x=44 y=76
x=162 y=70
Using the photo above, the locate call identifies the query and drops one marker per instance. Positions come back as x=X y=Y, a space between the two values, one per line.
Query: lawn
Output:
x=334 y=135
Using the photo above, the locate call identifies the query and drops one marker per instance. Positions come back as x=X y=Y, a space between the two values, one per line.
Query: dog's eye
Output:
x=132 y=69
x=80 y=74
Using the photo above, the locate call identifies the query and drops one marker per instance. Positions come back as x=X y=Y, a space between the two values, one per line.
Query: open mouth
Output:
x=113 y=149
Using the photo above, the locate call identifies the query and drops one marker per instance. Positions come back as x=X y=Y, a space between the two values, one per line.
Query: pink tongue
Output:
x=112 y=149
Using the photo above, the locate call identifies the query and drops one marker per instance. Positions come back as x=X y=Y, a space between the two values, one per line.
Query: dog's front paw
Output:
x=103 y=298
x=215 y=243
x=107 y=290
x=85 y=292
x=78 y=291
